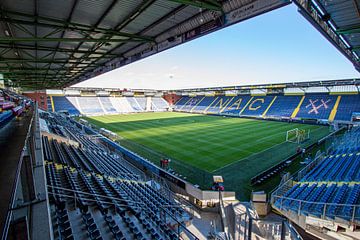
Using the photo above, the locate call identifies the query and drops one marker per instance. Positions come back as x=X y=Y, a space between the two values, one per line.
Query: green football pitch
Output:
x=201 y=146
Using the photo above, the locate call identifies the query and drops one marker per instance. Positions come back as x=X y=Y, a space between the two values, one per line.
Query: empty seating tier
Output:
x=309 y=106
x=95 y=195
x=76 y=105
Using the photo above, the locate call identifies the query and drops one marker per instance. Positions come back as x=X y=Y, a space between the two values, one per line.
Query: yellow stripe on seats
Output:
x=246 y=105
x=297 y=109
x=197 y=104
x=186 y=103
x=267 y=109
x=210 y=105
x=334 y=110
x=52 y=103
x=222 y=109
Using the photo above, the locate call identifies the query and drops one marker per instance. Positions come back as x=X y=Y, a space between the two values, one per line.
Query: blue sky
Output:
x=279 y=46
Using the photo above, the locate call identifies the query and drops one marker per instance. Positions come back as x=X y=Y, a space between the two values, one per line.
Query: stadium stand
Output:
x=106 y=105
x=11 y=106
x=62 y=103
x=284 y=106
x=257 y=106
x=191 y=103
x=236 y=105
x=159 y=104
x=311 y=106
x=316 y=106
x=180 y=103
x=348 y=105
x=328 y=190
x=218 y=104
x=141 y=101
x=199 y=104
x=109 y=200
x=134 y=104
x=90 y=105
x=91 y=191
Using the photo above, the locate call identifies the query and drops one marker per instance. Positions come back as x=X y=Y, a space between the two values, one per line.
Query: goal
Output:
x=297 y=135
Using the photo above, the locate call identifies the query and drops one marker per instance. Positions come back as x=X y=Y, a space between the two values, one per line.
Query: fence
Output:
x=301 y=207
x=248 y=228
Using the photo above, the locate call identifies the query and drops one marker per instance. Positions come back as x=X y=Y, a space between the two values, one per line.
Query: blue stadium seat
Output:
x=283 y=106
x=62 y=103
x=257 y=106
x=112 y=201
x=317 y=106
x=347 y=106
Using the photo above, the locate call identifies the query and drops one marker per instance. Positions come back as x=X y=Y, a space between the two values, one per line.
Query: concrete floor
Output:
x=203 y=223
x=12 y=138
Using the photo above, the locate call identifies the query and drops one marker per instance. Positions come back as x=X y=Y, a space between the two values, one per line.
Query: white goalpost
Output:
x=297 y=135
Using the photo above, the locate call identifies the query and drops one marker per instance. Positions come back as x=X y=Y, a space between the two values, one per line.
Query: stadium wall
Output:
x=39 y=97
x=171 y=98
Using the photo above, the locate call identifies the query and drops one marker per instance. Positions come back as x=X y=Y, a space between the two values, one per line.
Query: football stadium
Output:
x=269 y=160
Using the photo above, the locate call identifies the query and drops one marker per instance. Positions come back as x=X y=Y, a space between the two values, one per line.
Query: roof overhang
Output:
x=55 y=44
x=338 y=22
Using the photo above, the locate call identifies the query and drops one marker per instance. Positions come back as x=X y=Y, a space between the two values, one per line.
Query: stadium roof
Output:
x=54 y=44
x=338 y=21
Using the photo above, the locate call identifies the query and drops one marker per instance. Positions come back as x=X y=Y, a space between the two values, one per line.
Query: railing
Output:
x=289 y=183
x=223 y=217
x=14 y=190
x=170 y=195
x=248 y=228
x=298 y=206
x=33 y=192
x=302 y=172
x=15 y=183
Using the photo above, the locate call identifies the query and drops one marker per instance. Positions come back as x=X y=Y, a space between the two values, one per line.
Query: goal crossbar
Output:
x=297 y=135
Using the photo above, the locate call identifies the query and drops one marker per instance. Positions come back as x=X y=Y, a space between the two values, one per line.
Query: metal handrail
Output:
x=309 y=202
x=16 y=180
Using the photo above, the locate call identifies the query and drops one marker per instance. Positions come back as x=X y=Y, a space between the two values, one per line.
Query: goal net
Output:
x=297 y=135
